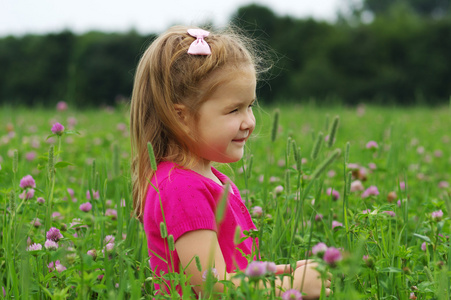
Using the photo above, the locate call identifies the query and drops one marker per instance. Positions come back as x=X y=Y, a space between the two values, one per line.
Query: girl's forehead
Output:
x=237 y=85
x=228 y=73
x=223 y=77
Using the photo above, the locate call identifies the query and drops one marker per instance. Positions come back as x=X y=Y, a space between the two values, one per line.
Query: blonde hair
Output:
x=168 y=75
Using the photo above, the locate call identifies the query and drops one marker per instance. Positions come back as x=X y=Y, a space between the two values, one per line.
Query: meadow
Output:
x=364 y=191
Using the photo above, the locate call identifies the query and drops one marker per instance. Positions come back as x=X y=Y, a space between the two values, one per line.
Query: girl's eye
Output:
x=235 y=110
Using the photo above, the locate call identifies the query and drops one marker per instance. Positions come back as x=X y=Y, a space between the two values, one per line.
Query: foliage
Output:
x=428 y=8
x=398 y=248
x=393 y=59
x=399 y=57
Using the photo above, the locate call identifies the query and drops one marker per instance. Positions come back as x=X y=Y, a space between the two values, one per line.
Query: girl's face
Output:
x=225 y=120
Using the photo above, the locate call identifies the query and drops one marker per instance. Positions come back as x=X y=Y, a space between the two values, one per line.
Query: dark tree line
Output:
x=401 y=56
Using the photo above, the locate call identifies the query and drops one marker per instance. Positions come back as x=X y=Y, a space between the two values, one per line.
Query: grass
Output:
x=384 y=256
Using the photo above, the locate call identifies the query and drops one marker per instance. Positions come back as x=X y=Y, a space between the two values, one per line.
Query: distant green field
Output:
x=399 y=249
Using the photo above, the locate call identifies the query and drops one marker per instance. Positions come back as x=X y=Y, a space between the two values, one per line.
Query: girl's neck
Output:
x=203 y=168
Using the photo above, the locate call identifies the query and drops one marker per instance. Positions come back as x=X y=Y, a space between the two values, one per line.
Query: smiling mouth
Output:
x=243 y=139
x=239 y=140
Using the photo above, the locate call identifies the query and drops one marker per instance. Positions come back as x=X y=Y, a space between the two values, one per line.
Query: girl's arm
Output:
x=204 y=243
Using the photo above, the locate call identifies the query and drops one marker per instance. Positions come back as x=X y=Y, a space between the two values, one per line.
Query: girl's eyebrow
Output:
x=239 y=103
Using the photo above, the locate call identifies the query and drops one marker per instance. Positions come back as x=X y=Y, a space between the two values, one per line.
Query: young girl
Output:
x=192 y=100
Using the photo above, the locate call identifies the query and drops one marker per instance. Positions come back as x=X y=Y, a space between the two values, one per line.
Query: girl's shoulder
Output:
x=169 y=171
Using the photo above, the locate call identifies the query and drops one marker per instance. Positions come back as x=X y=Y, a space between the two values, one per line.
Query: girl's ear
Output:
x=183 y=115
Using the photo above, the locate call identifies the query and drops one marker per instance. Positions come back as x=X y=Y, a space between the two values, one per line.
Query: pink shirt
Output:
x=189 y=203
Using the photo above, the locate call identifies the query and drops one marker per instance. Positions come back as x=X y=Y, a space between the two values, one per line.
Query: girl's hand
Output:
x=286 y=269
x=305 y=279
x=308 y=280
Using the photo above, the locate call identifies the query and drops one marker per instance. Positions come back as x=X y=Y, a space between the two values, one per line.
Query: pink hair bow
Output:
x=199 y=46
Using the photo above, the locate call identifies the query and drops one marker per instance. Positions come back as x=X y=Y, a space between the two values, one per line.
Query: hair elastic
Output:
x=199 y=46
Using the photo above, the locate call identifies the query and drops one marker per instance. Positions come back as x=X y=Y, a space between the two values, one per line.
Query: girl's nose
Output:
x=248 y=122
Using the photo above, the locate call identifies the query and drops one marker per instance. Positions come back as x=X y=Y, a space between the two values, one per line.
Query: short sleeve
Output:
x=188 y=205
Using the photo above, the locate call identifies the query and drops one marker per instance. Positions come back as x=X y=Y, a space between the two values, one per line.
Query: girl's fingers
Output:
x=328 y=283
x=328 y=292
x=285 y=269
x=303 y=262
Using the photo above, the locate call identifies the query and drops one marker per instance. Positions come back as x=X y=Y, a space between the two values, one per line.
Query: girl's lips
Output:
x=239 y=140
x=243 y=139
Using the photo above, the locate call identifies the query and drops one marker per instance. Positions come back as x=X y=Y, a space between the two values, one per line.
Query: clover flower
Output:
x=56 y=215
x=76 y=223
x=108 y=248
x=437 y=215
x=353 y=166
x=57 y=128
x=210 y=272
x=369 y=261
x=54 y=234
x=70 y=192
x=319 y=249
x=257 y=211
x=332 y=256
x=443 y=184
x=372 y=145
x=27 y=182
x=335 y=194
x=40 y=200
x=336 y=224
x=61 y=106
x=256 y=269
x=95 y=195
x=109 y=239
x=36 y=222
x=371 y=191
x=292 y=294
x=30 y=155
x=271 y=267
x=390 y=213
x=87 y=206
x=278 y=190
x=27 y=194
x=402 y=185
x=111 y=213
x=121 y=127
x=420 y=150
x=92 y=253
x=360 y=174
x=423 y=246
x=34 y=247
x=71 y=121
x=391 y=196
x=50 y=245
x=318 y=217
x=56 y=266
x=356 y=185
